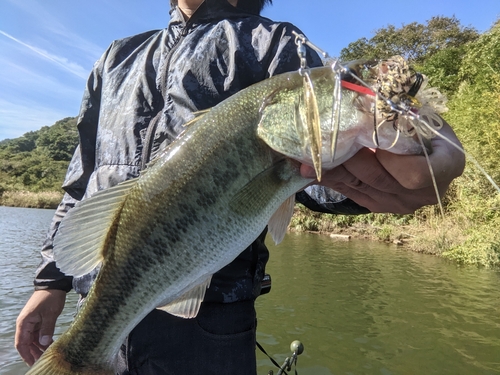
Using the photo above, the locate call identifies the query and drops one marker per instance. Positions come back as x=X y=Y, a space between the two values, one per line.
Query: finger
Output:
x=24 y=339
x=375 y=189
x=361 y=170
x=448 y=157
x=410 y=171
x=366 y=171
x=46 y=333
x=27 y=353
x=381 y=202
x=373 y=200
x=348 y=184
x=307 y=171
x=36 y=352
x=446 y=162
x=331 y=178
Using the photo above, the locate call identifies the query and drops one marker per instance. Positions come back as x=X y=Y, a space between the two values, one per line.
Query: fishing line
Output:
x=459 y=148
x=431 y=170
x=375 y=130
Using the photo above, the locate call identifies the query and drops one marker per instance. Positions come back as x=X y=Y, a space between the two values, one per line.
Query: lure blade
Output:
x=313 y=123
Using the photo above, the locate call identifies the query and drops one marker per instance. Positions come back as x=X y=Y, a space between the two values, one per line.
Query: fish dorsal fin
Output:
x=87 y=229
x=278 y=223
x=188 y=305
x=197 y=116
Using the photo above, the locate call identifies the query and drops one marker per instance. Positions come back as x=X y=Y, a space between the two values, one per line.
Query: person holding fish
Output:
x=155 y=255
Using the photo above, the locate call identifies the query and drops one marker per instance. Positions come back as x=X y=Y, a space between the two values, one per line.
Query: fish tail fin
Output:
x=53 y=362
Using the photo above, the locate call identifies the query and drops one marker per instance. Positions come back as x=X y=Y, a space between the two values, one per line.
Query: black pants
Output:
x=219 y=341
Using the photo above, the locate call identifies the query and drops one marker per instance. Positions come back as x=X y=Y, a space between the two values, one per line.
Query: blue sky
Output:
x=47 y=47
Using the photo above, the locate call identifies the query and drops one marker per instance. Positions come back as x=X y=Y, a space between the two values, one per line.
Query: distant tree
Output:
x=59 y=141
x=474 y=112
x=25 y=143
x=38 y=173
x=414 y=41
x=4 y=142
x=482 y=62
x=38 y=160
x=443 y=67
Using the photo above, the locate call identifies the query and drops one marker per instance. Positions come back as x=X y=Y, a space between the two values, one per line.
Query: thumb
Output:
x=307 y=171
x=46 y=332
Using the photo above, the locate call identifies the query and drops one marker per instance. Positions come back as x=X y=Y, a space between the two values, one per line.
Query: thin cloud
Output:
x=46 y=23
x=60 y=61
x=88 y=50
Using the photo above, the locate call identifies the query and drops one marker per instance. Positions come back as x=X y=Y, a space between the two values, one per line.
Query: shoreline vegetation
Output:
x=29 y=199
x=459 y=61
x=466 y=236
x=458 y=236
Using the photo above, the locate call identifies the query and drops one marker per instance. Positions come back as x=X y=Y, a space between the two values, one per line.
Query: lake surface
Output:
x=358 y=307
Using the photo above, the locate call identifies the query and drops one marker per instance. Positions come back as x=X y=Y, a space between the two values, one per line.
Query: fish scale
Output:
x=193 y=210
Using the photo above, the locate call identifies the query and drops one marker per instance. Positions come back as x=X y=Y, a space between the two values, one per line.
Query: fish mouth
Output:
x=377 y=98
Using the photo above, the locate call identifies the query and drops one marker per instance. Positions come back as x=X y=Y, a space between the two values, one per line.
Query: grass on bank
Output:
x=458 y=239
x=28 y=199
x=468 y=233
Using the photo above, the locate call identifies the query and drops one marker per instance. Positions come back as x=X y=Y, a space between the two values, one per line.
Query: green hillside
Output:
x=32 y=167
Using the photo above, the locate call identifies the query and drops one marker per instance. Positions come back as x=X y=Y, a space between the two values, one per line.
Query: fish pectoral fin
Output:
x=278 y=223
x=261 y=191
x=188 y=305
x=89 y=229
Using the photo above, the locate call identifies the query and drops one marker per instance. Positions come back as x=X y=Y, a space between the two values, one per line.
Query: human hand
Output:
x=36 y=322
x=386 y=182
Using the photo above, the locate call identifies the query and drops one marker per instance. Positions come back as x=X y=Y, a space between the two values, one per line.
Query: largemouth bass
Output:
x=235 y=169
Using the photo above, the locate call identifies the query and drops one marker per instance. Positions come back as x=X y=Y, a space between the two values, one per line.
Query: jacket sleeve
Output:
x=80 y=168
x=323 y=199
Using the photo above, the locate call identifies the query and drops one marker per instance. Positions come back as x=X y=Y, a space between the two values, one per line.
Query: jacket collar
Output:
x=209 y=10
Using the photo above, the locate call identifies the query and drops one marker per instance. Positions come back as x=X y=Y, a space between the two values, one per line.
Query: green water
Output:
x=358 y=307
x=370 y=308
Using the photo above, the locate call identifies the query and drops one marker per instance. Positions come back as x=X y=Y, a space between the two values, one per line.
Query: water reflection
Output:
x=358 y=307
x=368 y=308
x=22 y=231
